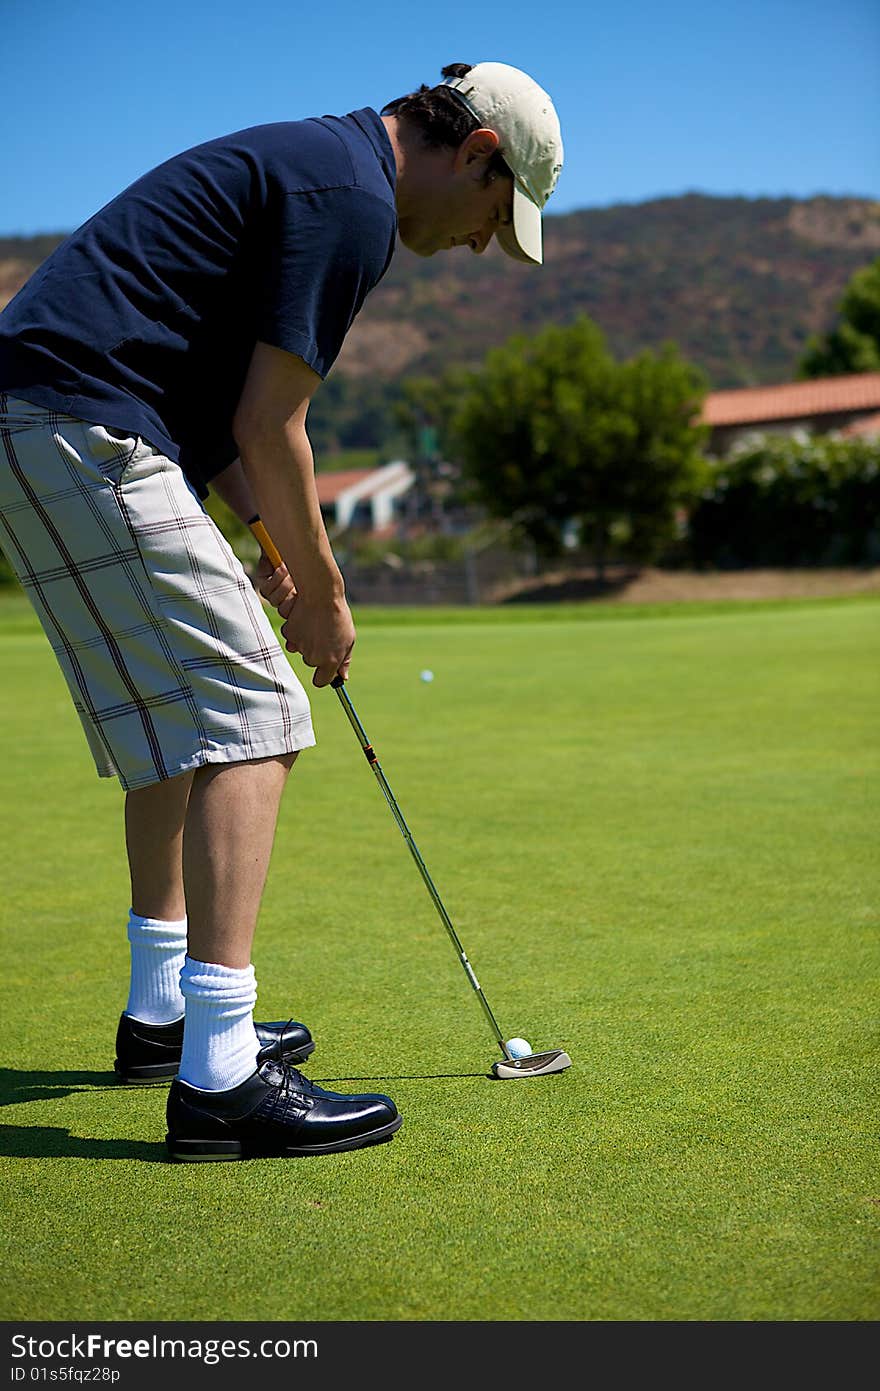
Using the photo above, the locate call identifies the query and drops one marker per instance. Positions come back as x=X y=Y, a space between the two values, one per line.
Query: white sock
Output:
x=158 y=951
x=220 y=1044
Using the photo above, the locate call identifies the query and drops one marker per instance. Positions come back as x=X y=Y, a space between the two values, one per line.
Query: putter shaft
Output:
x=339 y=686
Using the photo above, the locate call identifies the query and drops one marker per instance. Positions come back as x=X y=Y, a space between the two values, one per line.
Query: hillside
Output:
x=738 y=283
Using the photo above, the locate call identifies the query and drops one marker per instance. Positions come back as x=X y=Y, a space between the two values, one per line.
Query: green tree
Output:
x=554 y=432
x=423 y=415
x=425 y=408
x=854 y=344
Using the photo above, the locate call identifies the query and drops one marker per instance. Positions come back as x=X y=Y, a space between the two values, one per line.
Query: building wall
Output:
x=723 y=437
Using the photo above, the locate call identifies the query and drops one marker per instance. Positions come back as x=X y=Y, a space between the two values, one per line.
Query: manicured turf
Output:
x=658 y=840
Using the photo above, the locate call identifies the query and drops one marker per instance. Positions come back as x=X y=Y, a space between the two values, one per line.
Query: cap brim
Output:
x=522 y=238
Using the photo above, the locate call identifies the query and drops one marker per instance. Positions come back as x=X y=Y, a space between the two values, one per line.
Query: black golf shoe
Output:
x=275 y=1111
x=151 y=1052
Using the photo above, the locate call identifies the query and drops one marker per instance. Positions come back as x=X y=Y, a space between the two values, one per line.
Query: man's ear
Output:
x=479 y=147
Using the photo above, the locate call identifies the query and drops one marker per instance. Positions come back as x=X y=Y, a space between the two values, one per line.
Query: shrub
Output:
x=790 y=501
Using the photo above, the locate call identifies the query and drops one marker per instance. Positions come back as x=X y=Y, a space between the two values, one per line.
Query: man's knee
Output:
x=246 y=768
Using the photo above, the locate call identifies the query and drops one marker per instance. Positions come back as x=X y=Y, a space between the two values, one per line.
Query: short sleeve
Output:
x=324 y=251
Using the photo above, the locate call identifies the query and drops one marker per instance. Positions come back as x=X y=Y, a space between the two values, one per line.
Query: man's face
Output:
x=460 y=208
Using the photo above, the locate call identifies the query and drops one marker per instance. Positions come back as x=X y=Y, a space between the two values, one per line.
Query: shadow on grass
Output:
x=577 y=586
x=18 y=1086
x=403 y=1077
x=51 y=1142
x=54 y=1142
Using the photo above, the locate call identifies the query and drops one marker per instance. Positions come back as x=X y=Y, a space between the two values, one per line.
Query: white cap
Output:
x=511 y=103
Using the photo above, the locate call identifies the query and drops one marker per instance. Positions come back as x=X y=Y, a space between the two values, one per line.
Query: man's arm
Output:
x=232 y=486
x=270 y=430
x=275 y=584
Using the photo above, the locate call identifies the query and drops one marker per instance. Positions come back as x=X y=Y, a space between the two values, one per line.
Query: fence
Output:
x=491 y=576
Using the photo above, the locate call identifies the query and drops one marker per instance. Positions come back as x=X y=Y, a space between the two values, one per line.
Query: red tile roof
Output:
x=330 y=485
x=793 y=400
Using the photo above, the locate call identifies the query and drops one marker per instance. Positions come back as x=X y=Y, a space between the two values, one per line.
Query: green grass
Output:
x=658 y=841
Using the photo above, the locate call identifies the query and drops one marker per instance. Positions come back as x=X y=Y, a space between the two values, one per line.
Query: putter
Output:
x=533 y=1064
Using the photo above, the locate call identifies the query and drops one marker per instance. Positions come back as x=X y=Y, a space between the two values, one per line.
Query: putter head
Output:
x=533 y=1064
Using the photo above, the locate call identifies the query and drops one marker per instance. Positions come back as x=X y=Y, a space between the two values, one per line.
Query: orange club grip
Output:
x=265 y=540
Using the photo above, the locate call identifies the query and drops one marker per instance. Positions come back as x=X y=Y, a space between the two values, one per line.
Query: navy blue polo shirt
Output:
x=145 y=319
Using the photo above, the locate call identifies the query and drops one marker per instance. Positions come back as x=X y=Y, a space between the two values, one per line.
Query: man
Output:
x=176 y=340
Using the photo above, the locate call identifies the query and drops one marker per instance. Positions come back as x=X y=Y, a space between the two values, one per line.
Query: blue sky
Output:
x=756 y=97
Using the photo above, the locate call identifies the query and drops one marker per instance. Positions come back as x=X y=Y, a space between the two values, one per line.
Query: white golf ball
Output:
x=518 y=1047
x=427 y=676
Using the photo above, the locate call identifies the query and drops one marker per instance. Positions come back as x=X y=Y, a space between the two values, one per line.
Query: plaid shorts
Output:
x=169 y=656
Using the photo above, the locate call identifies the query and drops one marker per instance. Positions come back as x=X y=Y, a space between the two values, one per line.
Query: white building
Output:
x=363 y=497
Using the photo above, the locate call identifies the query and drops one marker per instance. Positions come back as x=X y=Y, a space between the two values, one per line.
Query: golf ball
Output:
x=518 y=1047
x=427 y=675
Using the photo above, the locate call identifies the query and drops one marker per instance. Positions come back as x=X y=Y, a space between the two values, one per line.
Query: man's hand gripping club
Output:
x=308 y=628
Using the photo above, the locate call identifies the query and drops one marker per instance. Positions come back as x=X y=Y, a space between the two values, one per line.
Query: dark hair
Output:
x=440 y=118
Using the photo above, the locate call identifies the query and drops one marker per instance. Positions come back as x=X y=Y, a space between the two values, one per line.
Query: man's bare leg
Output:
x=225 y=814
x=227 y=844
x=154 y=822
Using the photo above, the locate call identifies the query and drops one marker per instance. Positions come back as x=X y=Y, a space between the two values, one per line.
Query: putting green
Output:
x=657 y=838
